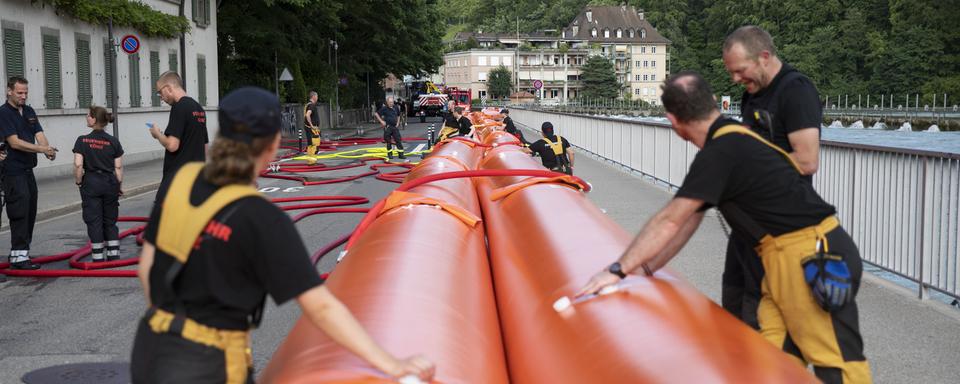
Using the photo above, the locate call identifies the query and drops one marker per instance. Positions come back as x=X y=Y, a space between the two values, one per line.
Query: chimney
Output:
x=640 y=13
x=589 y=15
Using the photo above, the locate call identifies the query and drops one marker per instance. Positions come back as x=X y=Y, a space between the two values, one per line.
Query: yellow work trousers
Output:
x=792 y=320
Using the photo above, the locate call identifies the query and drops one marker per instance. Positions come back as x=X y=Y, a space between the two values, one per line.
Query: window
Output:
x=653 y=77
x=201 y=12
x=202 y=79
x=643 y=33
x=644 y=91
x=53 y=91
x=494 y=61
x=84 y=90
x=606 y=33
x=13 y=63
x=134 y=61
x=482 y=76
x=593 y=32
x=637 y=77
x=619 y=33
x=646 y=63
x=482 y=94
x=173 y=61
x=108 y=73
x=644 y=77
x=506 y=61
x=154 y=76
x=653 y=63
x=653 y=49
x=643 y=49
x=636 y=91
x=638 y=63
x=481 y=60
x=631 y=34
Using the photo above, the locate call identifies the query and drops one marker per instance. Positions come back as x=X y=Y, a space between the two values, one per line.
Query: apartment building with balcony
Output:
x=639 y=53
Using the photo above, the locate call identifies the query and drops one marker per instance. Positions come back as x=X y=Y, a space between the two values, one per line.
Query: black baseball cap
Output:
x=505 y=111
x=547 y=126
x=249 y=112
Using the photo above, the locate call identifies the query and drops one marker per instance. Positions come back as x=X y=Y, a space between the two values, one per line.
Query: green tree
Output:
x=599 y=78
x=499 y=81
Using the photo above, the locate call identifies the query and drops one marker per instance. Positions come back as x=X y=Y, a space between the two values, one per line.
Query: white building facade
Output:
x=65 y=62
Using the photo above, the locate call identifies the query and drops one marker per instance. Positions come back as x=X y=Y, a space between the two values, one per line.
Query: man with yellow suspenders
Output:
x=812 y=266
x=554 y=150
x=215 y=247
x=311 y=118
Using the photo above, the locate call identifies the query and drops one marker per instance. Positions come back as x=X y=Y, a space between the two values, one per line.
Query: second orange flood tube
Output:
x=546 y=240
x=419 y=281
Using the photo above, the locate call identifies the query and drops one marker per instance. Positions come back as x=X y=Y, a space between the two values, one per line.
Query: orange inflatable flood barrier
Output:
x=419 y=281
x=546 y=240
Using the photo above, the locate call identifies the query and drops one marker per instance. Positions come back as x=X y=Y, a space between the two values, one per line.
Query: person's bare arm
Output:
x=77 y=168
x=330 y=315
x=657 y=237
x=118 y=170
x=24 y=146
x=170 y=143
x=806 y=149
x=143 y=269
x=677 y=243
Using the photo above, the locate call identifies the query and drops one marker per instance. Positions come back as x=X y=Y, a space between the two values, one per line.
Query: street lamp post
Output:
x=336 y=70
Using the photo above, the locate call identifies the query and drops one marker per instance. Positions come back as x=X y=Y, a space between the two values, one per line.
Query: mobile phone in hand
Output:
x=149 y=125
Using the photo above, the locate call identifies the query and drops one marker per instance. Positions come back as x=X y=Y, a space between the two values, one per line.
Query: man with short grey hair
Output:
x=783 y=106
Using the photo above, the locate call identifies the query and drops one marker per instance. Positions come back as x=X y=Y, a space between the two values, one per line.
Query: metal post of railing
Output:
x=922 y=292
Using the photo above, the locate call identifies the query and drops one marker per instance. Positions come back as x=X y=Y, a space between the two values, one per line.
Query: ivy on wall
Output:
x=125 y=13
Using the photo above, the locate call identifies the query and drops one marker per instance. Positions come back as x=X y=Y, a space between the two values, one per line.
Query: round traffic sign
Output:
x=130 y=44
x=538 y=84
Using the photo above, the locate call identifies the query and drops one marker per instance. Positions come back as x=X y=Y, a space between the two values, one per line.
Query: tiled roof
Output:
x=625 y=18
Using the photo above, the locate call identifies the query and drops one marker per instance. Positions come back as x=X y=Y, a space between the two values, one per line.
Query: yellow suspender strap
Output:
x=181 y=222
x=743 y=130
x=556 y=147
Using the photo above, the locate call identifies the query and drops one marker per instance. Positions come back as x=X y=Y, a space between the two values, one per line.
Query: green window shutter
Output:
x=202 y=80
x=154 y=76
x=206 y=12
x=134 y=60
x=107 y=74
x=51 y=71
x=193 y=11
x=13 y=52
x=173 y=62
x=84 y=92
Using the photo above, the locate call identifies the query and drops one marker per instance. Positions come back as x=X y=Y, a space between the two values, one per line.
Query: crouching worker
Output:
x=215 y=248
x=98 y=171
x=554 y=150
x=811 y=266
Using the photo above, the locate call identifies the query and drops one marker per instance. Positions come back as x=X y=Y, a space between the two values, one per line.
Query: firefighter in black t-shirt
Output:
x=185 y=138
x=98 y=171
x=388 y=116
x=511 y=128
x=554 y=150
x=813 y=268
x=311 y=118
x=216 y=247
x=451 y=124
x=781 y=105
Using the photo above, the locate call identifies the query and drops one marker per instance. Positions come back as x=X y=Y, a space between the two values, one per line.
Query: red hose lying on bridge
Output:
x=418 y=280
x=654 y=330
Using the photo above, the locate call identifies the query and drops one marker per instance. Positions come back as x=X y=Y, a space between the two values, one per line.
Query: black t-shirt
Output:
x=314 y=114
x=794 y=106
x=188 y=122
x=99 y=150
x=389 y=115
x=229 y=272
x=760 y=181
x=26 y=127
x=541 y=148
x=450 y=121
x=512 y=129
x=464 y=125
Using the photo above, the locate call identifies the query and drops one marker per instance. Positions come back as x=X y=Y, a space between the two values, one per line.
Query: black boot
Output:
x=25 y=265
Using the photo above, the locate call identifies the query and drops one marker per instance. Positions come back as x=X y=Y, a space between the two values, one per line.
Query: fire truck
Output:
x=461 y=97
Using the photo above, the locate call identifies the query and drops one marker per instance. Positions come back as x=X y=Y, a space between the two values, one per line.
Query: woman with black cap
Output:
x=98 y=171
x=215 y=248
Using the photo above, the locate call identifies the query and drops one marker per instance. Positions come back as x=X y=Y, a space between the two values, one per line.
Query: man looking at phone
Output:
x=185 y=138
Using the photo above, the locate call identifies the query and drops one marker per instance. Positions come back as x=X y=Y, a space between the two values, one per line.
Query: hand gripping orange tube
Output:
x=419 y=281
x=546 y=240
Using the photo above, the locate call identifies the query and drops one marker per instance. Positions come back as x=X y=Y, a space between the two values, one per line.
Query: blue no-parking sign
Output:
x=130 y=44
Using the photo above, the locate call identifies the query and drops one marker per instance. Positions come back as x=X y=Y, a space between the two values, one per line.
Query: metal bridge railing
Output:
x=902 y=207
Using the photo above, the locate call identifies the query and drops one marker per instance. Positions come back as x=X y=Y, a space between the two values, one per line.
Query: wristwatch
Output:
x=616 y=269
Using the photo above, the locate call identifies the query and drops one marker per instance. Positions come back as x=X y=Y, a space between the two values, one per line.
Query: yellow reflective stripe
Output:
x=181 y=222
x=741 y=129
